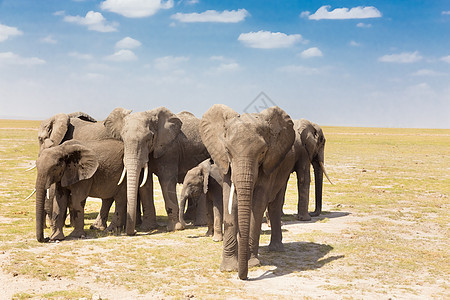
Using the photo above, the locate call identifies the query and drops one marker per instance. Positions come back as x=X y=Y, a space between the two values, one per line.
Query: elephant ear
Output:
x=114 y=122
x=309 y=136
x=81 y=163
x=282 y=136
x=212 y=131
x=167 y=126
x=52 y=131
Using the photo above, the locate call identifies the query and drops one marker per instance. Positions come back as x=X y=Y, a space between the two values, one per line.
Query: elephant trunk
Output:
x=244 y=182
x=318 y=179
x=41 y=194
x=133 y=172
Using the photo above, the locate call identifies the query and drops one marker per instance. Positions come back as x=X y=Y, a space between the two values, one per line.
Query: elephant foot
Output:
x=77 y=233
x=57 y=235
x=304 y=217
x=114 y=228
x=218 y=237
x=172 y=226
x=132 y=233
x=148 y=226
x=254 y=262
x=276 y=246
x=99 y=224
x=210 y=232
x=229 y=264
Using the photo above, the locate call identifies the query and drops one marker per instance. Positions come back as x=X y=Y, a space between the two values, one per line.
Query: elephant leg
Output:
x=275 y=208
x=191 y=209
x=59 y=209
x=102 y=217
x=71 y=218
x=230 y=224
x=217 y=202
x=209 y=215
x=303 y=184
x=48 y=206
x=148 y=206
x=258 y=208
x=117 y=224
x=79 y=194
x=201 y=217
x=169 y=190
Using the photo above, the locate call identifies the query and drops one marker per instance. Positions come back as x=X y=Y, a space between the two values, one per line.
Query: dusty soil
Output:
x=304 y=279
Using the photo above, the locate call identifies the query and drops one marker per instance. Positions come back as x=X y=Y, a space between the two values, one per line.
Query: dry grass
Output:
x=384 y=234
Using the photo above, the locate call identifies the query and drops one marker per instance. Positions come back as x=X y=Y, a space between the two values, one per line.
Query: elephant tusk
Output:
x=32 y=193
x=144 y=180
x=325 y=172
x=124 y=172
x=31 y=168
x=230 y=200
x=48 y=193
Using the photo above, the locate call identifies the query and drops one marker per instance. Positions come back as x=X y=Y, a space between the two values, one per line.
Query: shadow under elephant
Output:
x=297 y=257
x=292 y=218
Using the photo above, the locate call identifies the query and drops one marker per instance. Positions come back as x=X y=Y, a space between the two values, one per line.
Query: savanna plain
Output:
x=384 y=232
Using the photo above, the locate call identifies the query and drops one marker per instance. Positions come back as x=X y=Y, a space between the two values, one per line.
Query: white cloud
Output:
x=7 y=31
x=311 y=52
x=168 y=63
x=226 y=67
x=94 y=21
x=81 y=56
x=14 y=59
x=217 y=57
x=268 y=40
x=359 y=12
x=404 y=58
x=300 y=70
x=446 y=59
x=446 y=12
x=227 y=16
x=49 y=40
x=128 y=43
x=135 y=8
x=122 y=55
x=363 y=25
x=427 y=72
x=354 y=44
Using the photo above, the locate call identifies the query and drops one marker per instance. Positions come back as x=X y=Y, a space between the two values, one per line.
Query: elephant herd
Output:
x=239 y=165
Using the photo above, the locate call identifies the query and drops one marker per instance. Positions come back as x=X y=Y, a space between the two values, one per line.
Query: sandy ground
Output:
x=267 y=279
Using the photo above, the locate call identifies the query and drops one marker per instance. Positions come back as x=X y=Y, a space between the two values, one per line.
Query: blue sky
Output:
x=345 y=63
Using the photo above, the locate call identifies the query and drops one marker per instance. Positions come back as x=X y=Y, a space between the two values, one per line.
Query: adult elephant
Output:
x=203 y=183
x=254 y=152
x=79 y=169
x=64 y=127
x=161 y=143
x=309 y=148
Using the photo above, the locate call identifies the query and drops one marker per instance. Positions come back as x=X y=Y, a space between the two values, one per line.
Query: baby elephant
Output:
x=80 y=169
x=205 y=180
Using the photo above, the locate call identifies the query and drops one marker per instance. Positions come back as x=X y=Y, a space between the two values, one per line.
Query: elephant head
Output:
x=67 y=164
x=313 y=141
x=52 y=131
x=143 y=134
x=195 y=183
x=248 y=144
